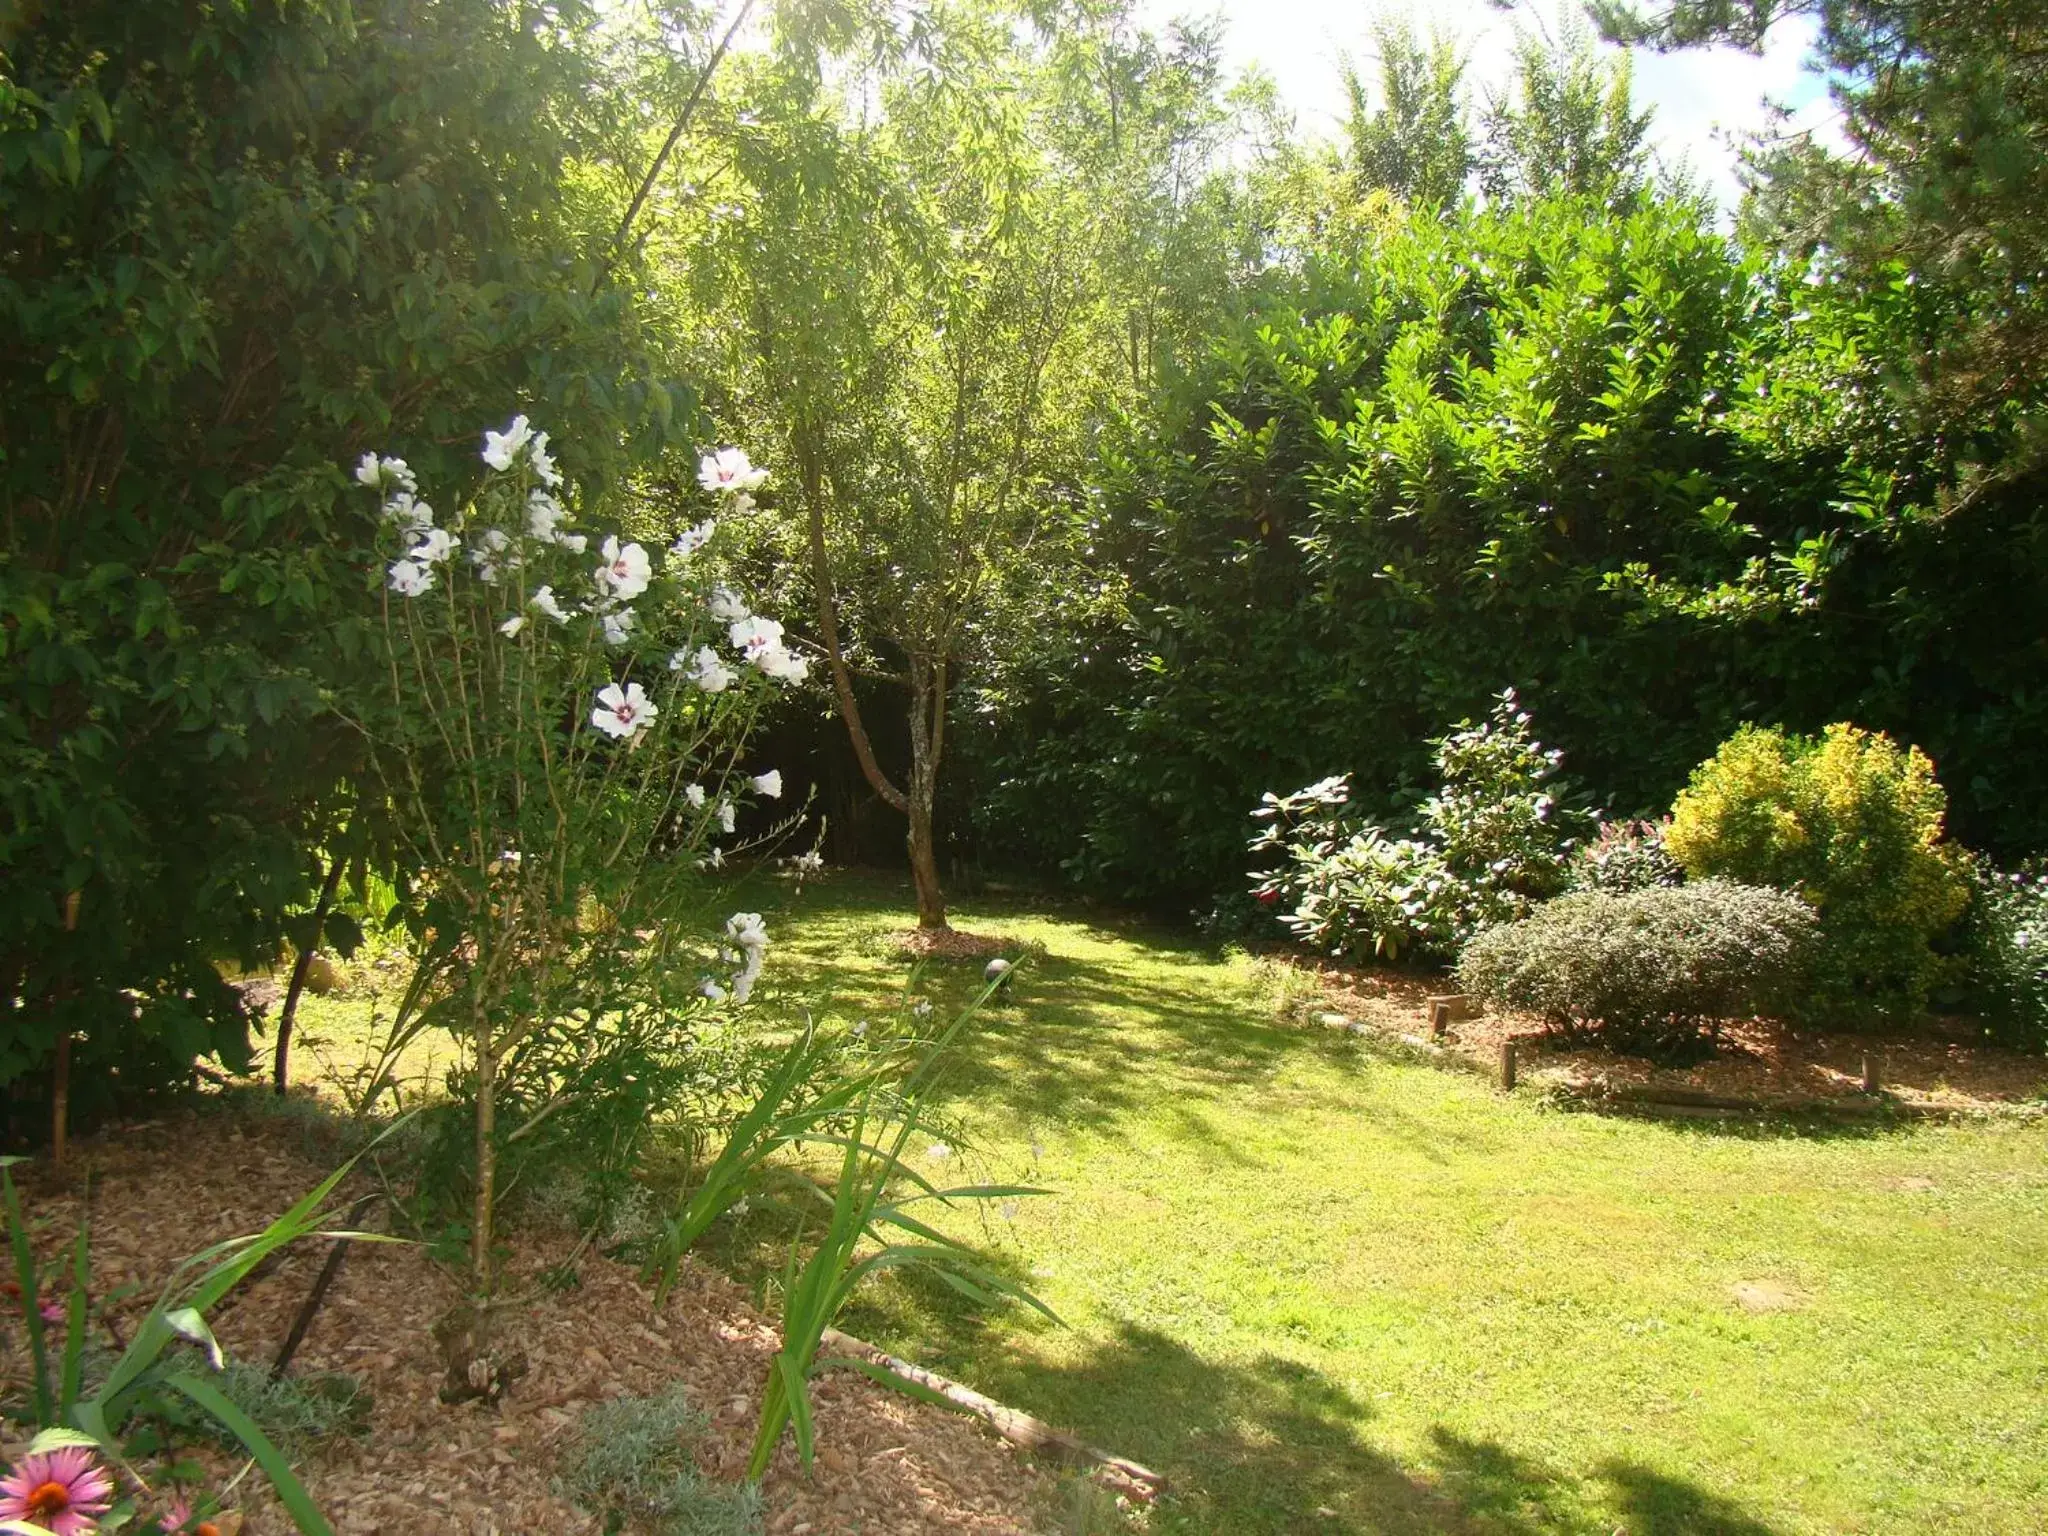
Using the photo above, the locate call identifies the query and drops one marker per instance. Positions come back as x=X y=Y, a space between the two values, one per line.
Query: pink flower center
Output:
x=626 y=712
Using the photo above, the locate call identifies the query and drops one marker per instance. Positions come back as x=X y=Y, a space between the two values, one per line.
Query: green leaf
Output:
x=31 y=1312
x=57 y=1437
x=188 y=1322
x=290 y=1492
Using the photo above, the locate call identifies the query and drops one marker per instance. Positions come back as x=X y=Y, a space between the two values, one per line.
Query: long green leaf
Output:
x=290 y=1492
x=31 y=1307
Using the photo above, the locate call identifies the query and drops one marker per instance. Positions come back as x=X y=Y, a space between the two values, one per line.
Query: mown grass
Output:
x=1326 y=1288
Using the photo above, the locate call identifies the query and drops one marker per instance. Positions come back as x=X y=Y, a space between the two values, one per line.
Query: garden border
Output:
x=1020 y=1429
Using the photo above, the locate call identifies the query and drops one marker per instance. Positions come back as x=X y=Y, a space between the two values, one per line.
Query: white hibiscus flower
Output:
x=618 y=627
x=690 y=540
x=544 y=600
x=726 y=605
x=409 y=578
x=769 y=783
x=500 y=448
x=783 y=665
x=751 y=636
x=707 y=670
x=542 y=461
x=542 y=513
x=408 y=512
x=625 y=572
x=493 y=554
x=435 y=545
x=377 y=473
x=729 y=470
x=622 y=711
x=694 y=794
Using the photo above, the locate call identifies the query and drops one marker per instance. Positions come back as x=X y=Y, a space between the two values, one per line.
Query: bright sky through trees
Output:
x=1700 y=95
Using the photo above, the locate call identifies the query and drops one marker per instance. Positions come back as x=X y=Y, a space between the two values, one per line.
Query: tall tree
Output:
x=1565 y=124
x=1930 y=213
x=1417 y=142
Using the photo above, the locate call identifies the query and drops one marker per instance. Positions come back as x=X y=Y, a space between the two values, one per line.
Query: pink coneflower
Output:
x=65 y=1491
x=177 y=1521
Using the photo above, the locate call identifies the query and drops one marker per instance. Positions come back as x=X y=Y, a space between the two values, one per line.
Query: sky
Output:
x=1700 y=95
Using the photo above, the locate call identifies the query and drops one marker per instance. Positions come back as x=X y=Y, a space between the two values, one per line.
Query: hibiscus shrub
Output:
x=1653 y=970
x=1495 y=838
x=1854 y=824
x=555 y=748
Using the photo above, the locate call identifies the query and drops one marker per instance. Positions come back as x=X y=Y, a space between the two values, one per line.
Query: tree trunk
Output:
x=281 y=1066
x=60 y=1071
x=924 y=864
x=486 y=1151
x=927 y=742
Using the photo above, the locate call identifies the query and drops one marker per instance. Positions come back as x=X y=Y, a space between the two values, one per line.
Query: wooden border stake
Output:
x=1507 y=1065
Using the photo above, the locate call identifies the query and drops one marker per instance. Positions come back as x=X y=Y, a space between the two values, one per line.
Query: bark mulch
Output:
x=948 y=944
x=161 y=1190
x=1761 y=1060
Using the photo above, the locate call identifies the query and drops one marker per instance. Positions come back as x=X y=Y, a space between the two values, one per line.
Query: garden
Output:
x=803 y=767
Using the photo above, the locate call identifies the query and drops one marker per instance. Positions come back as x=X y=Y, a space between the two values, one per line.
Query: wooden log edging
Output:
x=1678 y=1102
x=1020 y=1429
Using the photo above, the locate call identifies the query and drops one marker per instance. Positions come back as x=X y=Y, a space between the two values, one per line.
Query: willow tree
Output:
x=895 y=270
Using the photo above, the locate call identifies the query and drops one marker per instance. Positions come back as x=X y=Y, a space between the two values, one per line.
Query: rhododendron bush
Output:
x=562 y=748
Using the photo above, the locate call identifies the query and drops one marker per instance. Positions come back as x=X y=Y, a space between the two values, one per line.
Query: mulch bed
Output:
x=161 y=1190
x=1761 y=1061
x=948 y=944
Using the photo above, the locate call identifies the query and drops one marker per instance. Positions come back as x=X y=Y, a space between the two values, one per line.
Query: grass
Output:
x=1326 y=1288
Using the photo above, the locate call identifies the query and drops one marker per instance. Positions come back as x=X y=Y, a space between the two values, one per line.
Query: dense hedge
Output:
x=1610 y=461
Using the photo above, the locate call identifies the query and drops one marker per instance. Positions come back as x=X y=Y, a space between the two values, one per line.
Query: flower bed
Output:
x=885 y=1464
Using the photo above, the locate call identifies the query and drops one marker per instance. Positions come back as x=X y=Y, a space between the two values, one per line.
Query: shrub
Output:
x=633 y=1457
x=2005 y=951
x=556 y=756
x=1626 y=856
x=1493 y=840
x=1652 y=970
x=1851 y=822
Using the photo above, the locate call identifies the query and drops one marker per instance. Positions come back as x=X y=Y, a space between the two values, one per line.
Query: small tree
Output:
x=557 y=747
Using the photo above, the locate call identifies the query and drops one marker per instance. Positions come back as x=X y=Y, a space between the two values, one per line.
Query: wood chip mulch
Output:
x=1761 y=1060
x=160 y=1191
x=949 y=944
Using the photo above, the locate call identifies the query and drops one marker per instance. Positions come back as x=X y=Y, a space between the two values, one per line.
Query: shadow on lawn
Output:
x=1273 y=1447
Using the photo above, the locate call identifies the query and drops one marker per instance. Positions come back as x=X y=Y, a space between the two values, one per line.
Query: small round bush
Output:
x=1853 y=823
x=1654 y=970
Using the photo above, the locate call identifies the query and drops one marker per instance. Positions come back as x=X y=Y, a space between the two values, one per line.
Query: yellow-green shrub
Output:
x=1853 y=823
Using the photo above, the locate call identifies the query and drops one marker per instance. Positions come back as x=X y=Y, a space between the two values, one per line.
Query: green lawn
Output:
x=1325 y=1288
